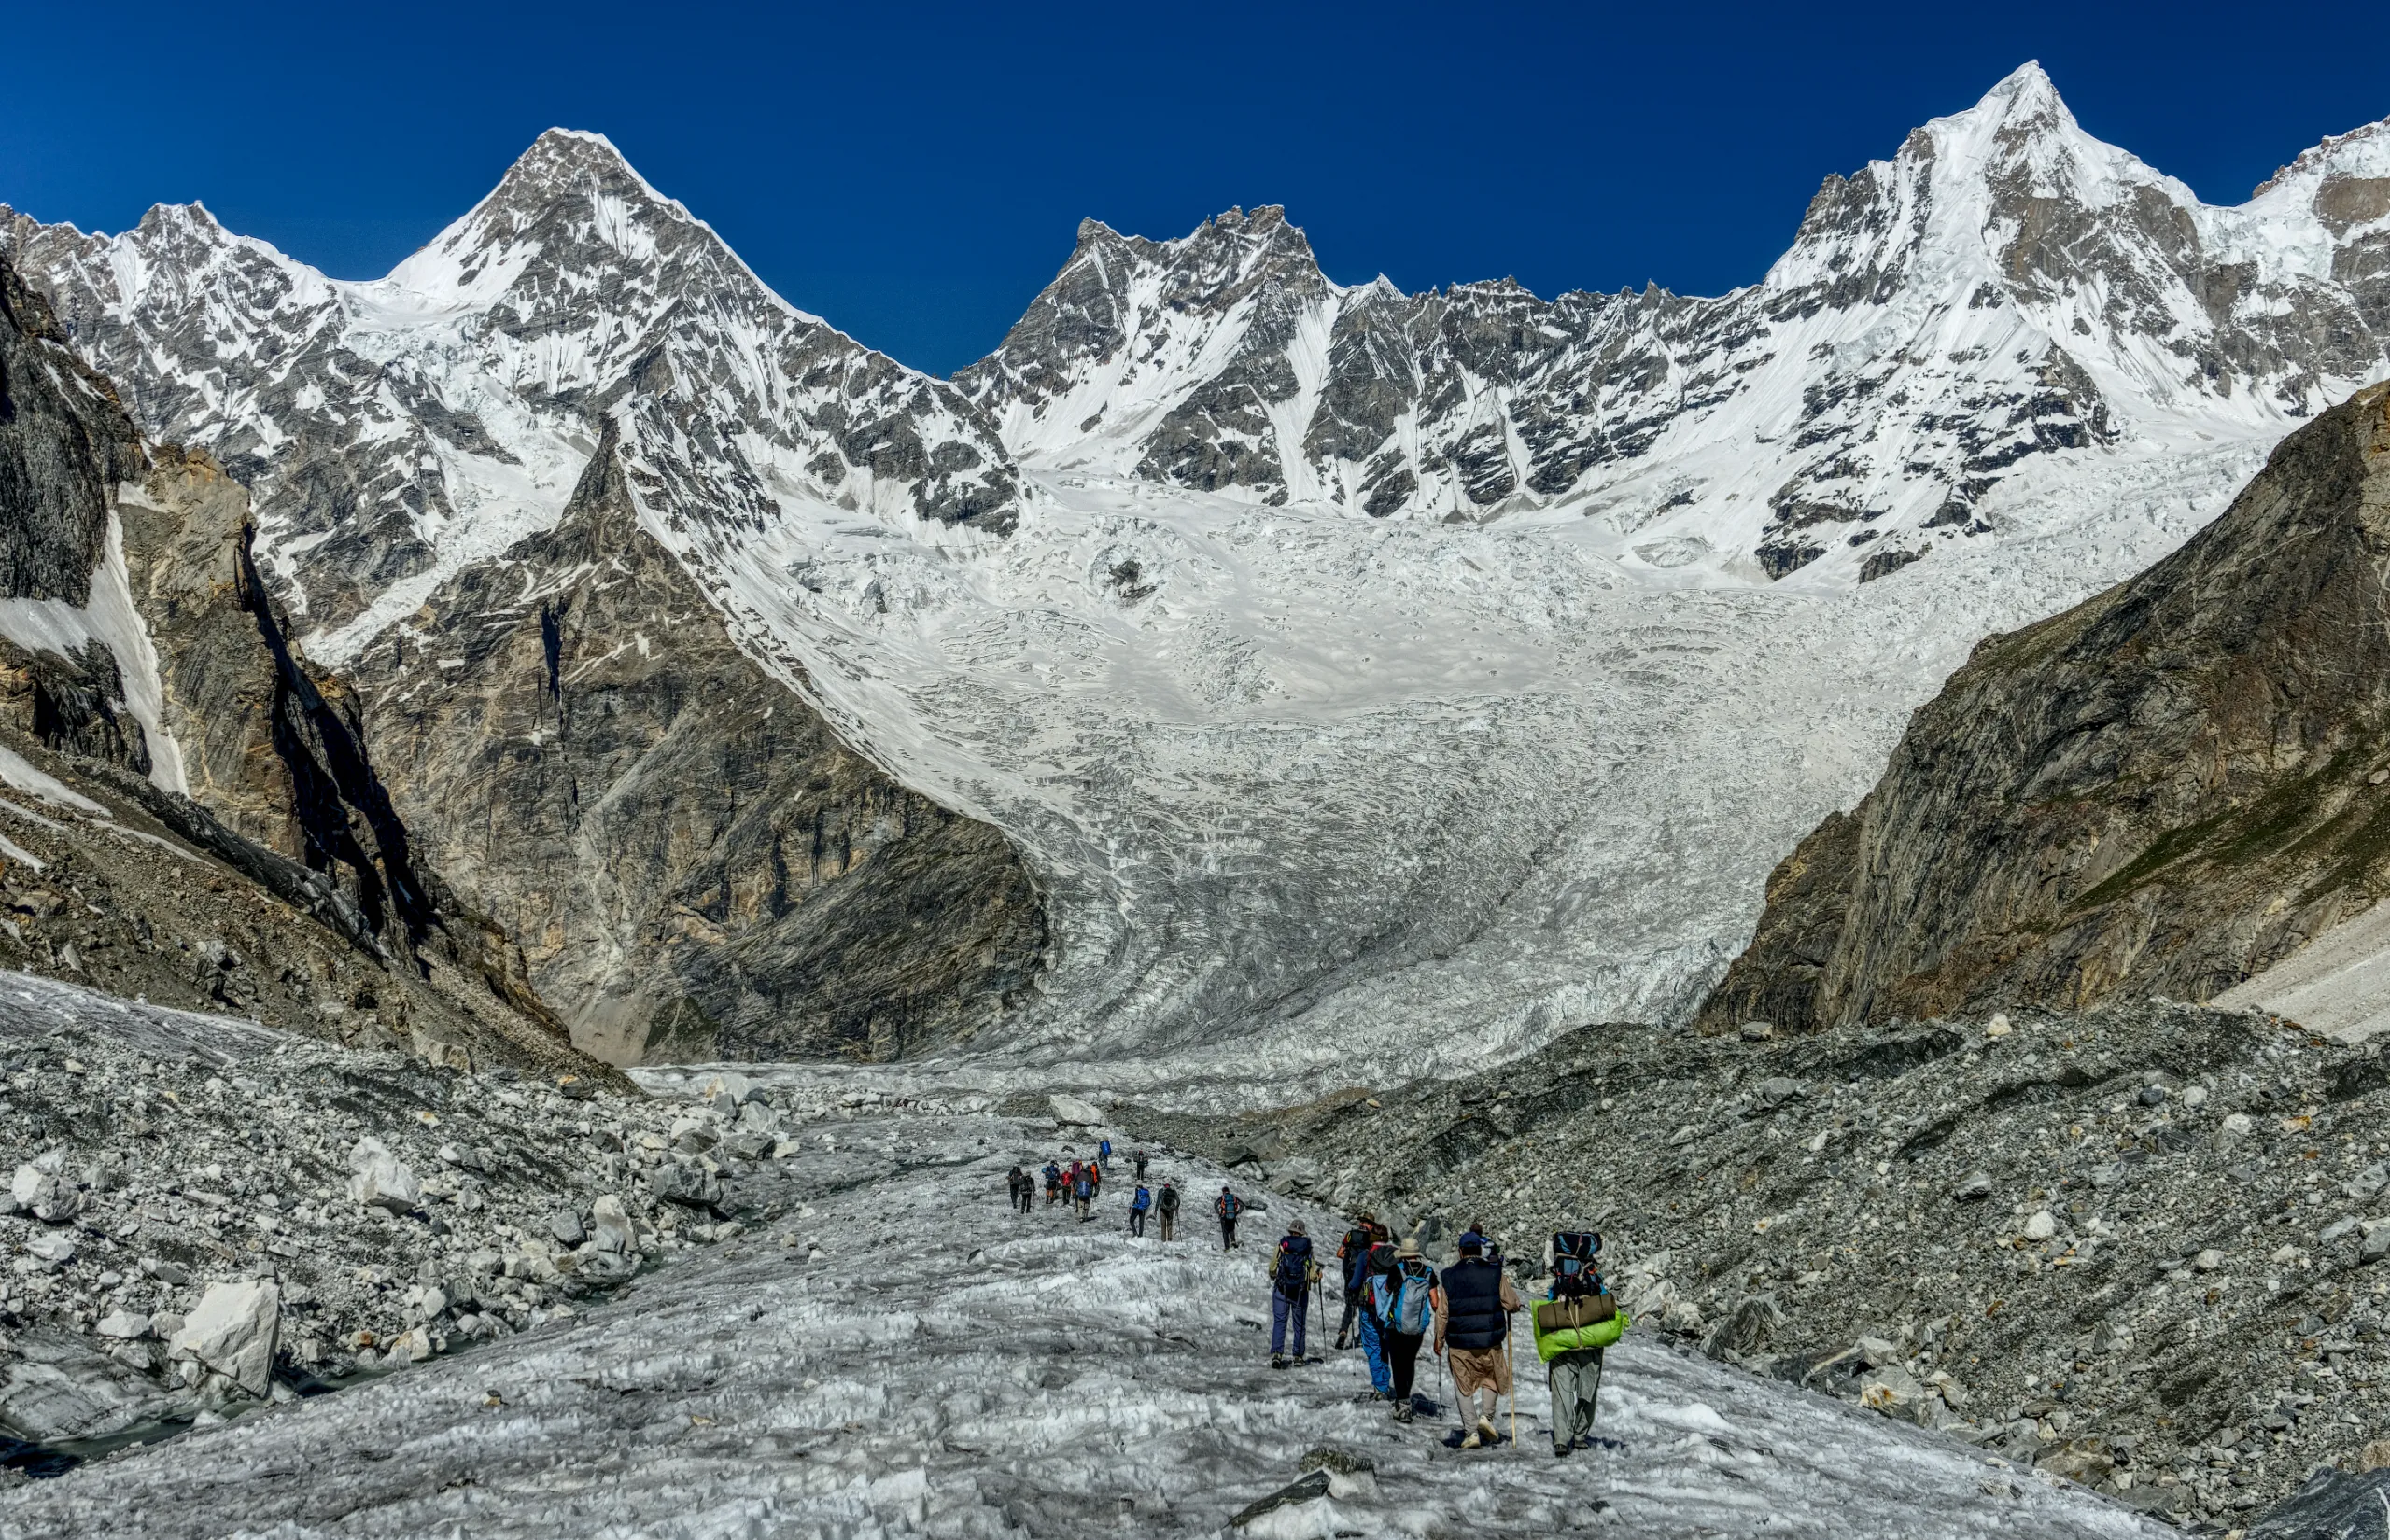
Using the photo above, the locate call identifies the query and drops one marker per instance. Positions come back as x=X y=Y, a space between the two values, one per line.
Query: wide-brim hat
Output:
x=1410 y=1246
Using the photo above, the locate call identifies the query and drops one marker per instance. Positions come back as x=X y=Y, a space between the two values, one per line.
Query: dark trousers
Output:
x=1282 y=1309
x=1169 y=1218
x=1136 y=1222
x=1402 y=1358
x=1352 y=1313
x=1228 y=1233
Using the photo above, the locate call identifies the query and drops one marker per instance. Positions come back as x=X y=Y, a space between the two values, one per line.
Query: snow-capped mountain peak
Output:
x=401 y=429
x=2005 y=287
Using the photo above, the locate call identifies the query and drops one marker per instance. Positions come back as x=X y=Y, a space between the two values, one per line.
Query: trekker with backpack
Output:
x=1353 y=1253
x=1402 y=1301
x=1576 y=1320
x=1167 y=1207
x=1140 y=1158
x=1376 y=1261
x=1137 y=1207
x=1291 y=1275
x=1474 y=1301
x=1083 y=1191
x=1053 y=1184
x=1017 y=1186
x=1104 y=1155
x=1228 y=1206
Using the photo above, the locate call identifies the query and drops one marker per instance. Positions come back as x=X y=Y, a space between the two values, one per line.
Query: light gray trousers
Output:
x=1576 y=1380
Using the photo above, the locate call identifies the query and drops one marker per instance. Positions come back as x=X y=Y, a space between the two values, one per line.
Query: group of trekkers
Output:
x=1080 y=1183
x=1395 y=1299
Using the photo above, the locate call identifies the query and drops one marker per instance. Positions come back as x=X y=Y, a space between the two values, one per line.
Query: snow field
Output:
x=924 y=1362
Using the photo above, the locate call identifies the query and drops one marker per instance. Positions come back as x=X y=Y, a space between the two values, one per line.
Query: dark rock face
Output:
x=695 y=865
x=2169 y=787
x=63 y=445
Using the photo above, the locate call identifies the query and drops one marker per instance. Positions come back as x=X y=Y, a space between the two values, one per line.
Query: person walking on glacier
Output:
x=1053 y=1184
x=1083 y=1191
x=1574 y=1323
x=1402 y=1300
x=1474 y=1301
x=1228 y=1206
x=1137 y=1207
x=1022 y=1188
x=1104 y=1155
x=1166 y=1206
x=1352 y=1254
x=1291 y=1275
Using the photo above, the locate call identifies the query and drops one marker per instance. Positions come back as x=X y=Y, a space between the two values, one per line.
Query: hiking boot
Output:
x=1472 y=1441
x=1403 y=1413
x=1560 y=1451
x=1277 y=1361
x=1488 y=1432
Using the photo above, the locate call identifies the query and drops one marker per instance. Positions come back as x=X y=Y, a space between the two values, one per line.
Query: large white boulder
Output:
x=610 y=1227
x=232 y=1333
x=382 y=1179
x=1070 y=1109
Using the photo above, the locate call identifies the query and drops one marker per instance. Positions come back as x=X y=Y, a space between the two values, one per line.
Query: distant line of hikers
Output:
x=1395 y=1299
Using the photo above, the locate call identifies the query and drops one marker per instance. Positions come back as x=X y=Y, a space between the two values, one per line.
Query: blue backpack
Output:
x=1142 y=1201
x=1401 y=1297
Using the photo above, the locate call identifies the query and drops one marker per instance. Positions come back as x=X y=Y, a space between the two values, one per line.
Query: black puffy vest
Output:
x=1473 y=1304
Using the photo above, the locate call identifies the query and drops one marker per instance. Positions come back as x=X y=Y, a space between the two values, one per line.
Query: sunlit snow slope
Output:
x=923 y=1362
x=1376 y=682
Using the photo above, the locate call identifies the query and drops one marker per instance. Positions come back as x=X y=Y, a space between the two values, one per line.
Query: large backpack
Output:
x=1572 y=1263
x=1227 y=1205
x=1169 y=1200
x=1142 y=1201
x=1292 y=1275
x=1403 y=1297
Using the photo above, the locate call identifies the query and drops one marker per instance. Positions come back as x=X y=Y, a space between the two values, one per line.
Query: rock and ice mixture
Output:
x=204 y=1214
x=902 y=1354
x=2147 y=1246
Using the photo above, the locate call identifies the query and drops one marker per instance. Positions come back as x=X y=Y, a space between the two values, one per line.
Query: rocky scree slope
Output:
x=207 y=1217
x=533 y=670
x=2169 y=787
x=2147 y=1248
x=289 y=850
x=2005 y=287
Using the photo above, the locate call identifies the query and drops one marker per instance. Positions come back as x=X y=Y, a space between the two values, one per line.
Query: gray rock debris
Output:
x=246 y=1216
x=1982 y=1227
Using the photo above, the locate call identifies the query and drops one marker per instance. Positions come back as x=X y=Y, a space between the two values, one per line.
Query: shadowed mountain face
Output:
x=2169 y=787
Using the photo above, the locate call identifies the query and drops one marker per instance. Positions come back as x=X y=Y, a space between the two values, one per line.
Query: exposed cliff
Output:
x=2165 y=788
x=694 y=863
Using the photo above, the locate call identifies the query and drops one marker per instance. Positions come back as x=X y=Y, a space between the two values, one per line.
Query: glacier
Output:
x=1378 y=683
x=902 y=1354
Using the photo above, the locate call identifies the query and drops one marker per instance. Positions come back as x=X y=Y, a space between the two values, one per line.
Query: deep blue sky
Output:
x=915 y=173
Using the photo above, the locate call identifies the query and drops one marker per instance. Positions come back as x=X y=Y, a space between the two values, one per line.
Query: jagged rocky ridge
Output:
x=656 y=846
x=2165 y=788
x=2005 y=287
x=1160 y=692
x=2147 y=1248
